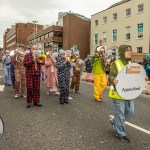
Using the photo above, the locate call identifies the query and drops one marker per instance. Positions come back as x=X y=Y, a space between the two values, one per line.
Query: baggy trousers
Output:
x=64 y=90
x=123 y=109
x=7 y=76
x=20 y=81
x=33 y=89
x=99 y=85
x=75 y=80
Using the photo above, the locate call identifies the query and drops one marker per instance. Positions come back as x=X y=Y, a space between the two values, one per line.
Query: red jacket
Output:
x=30 y=66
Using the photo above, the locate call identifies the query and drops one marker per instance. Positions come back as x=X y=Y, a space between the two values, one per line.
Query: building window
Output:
x=42 y=37
x=115 y=16
x=55 y=47
x=114 y=35
x=139 y=49
x=140 y=30
x=96 y=22
x=127 y=32
x=104 y=37
x=128 y=12
x=140 y=8
x=60 y=45
x=46 y=36
x=104 y=20
x=46 y=45
x=39 y=38
x=49 y=44
x=96 y=39
x=50 y=34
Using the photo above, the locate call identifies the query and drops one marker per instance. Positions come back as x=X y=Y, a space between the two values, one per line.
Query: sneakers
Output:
x=47 y=93
x=77 y=92
x=112 y=123
x=23 y=96
x=37 y=104
x=28 y=105
x=125 y=139
x=55 y=93
x=16 y=96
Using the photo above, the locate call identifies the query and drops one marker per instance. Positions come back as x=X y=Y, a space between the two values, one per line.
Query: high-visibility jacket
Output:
x=112 y=92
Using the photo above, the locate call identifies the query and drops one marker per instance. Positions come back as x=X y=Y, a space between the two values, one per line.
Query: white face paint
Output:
x=1 y=128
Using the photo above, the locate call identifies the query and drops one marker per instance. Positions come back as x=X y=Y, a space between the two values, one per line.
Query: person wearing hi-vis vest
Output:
x=99 y=73
x=122 y=108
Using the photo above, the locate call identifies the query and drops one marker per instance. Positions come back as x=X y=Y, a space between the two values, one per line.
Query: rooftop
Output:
x=114 y=5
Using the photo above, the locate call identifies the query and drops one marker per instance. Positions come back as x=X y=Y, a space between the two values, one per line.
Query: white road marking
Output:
x=1 y=76
x=2 y=87
x=69 y=97
x=1 y=68
x=135 y=126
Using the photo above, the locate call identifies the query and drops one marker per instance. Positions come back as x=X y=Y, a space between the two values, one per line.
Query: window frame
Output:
x=105 y=38
x=140 y=50
x=95 y=43
x=105 y=18
x=113 y=36
x=128 y=12
x=142 y=33
x=126 y=33
x=142 y=8
x=116 y=16
x=96 y=23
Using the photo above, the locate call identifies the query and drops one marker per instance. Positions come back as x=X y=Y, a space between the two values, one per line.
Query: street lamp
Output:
x=34 y=28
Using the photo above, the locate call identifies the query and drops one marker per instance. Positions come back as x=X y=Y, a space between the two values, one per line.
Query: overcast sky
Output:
x=45 y=11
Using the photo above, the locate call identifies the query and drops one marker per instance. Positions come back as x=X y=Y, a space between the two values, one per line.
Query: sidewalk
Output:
x=88 y=77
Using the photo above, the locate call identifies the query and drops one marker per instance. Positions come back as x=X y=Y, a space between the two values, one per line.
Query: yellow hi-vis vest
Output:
x=112 y=92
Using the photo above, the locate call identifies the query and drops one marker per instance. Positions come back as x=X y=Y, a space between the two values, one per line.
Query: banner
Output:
x=131 y=81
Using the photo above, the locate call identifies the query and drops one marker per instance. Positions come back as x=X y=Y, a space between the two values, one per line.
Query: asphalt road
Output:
x=81 y=125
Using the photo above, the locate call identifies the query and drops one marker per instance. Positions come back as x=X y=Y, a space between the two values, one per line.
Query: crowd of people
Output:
x=24 y=71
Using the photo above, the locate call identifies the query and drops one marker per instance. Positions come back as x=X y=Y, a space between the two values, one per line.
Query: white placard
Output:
x=36 y=53
x=131 y=81
x=55 y=54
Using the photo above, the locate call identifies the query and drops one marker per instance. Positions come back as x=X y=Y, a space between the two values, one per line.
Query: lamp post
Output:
x=34 y=28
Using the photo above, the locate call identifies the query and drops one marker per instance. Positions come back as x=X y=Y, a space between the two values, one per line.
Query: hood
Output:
x=121 y=51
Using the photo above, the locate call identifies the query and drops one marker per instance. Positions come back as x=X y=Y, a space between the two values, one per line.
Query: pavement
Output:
x=81 y=125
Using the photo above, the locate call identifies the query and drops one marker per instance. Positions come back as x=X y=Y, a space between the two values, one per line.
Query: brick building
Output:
x=52 y=37
x=71 y=30
x=18 y=34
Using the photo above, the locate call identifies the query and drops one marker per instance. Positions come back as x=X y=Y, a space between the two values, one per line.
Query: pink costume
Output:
x=51 y=78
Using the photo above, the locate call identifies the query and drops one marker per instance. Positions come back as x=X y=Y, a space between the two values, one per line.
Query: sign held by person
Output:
x=131 y=81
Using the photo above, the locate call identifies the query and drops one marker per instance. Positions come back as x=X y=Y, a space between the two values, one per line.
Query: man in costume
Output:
x=77 y=67
x=63 y=70
x=98 y=61
x=33 y=72
x=6 y=60
x=19 y=70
